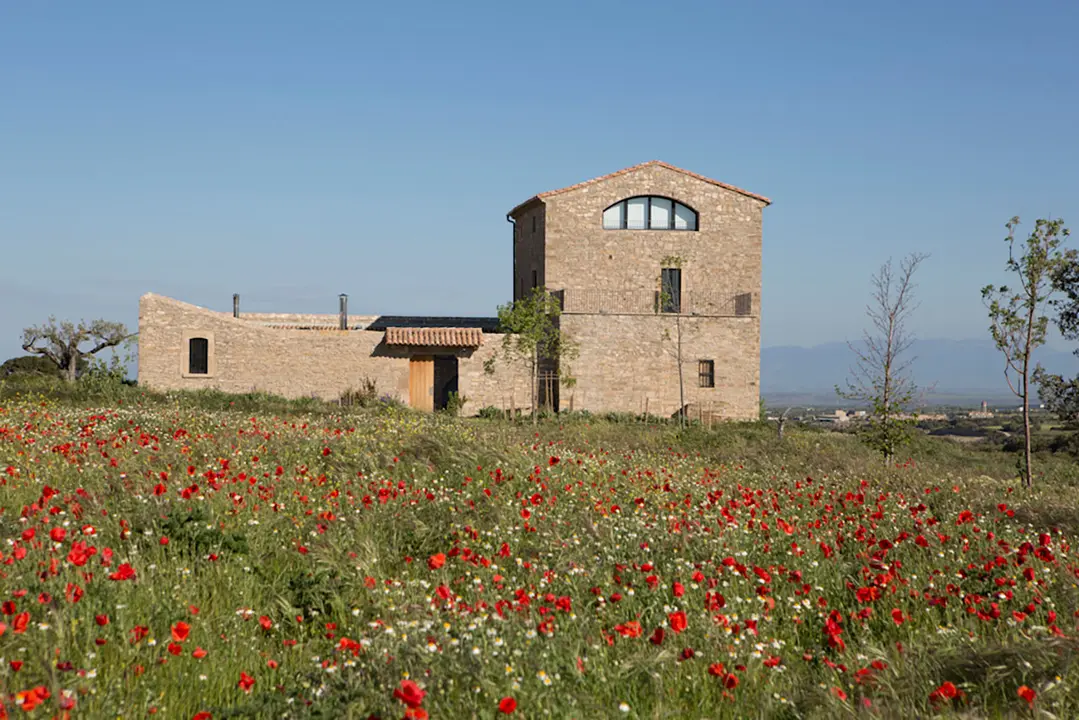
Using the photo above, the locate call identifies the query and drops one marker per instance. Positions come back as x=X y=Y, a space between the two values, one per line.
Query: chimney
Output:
x=235 y=305
x=344 y=312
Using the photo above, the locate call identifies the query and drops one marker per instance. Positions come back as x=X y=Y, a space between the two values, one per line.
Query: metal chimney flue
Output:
x=235 y=305
x=343 y=324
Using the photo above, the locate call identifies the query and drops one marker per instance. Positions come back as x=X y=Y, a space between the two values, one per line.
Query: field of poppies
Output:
x=164 y=559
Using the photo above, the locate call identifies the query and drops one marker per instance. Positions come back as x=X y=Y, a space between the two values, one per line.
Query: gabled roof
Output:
x=650 y=163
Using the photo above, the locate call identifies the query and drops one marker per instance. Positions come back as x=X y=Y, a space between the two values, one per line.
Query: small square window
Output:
x=706 y=373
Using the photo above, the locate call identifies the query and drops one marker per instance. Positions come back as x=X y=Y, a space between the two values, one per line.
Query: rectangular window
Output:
x=535 y=279
x=706 y=373
x=637 y=214
x=671 y=290
x=661 y=214
x=198 y=356
x=533 y=223
x=684 y=218
x=612 y=217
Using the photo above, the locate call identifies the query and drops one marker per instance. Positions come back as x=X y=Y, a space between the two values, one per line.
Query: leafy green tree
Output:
x=1017 y=316
x=62 y=342
x=1061 y=395
x=534 y=335
x=881 y=375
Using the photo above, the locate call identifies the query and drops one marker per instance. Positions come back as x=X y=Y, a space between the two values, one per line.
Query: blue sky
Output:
x=292 y=151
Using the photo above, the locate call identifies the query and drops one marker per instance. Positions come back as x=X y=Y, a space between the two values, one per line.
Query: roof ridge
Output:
x=639 y=166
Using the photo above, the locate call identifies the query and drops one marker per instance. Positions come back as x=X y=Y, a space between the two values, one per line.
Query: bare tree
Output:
x=780 y=422
x=881 y=376
x=1017 y=318
x=670 y=301
x=61 y=342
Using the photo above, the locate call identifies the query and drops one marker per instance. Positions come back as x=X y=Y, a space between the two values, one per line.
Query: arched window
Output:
x=649 y=212
x=198 y=356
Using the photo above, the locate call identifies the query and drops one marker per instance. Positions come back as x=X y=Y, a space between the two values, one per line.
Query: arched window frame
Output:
x=673 y=214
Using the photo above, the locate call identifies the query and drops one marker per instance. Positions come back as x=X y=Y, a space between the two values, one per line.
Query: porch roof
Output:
x=435 y=336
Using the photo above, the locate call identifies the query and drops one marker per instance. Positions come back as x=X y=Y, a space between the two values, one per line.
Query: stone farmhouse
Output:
x=648 y=263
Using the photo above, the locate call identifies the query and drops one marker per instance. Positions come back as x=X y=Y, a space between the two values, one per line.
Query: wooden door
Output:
x=421 y=382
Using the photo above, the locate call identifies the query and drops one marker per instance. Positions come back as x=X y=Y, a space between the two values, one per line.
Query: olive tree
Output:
x=69 y=345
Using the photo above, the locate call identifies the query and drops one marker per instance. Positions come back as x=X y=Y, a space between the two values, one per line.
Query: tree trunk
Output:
x=71 y=369
x=535 y=384
x=681 y=381
x=1028 y=477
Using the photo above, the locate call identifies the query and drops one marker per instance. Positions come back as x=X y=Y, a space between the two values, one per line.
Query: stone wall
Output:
x=246 y=355
x=626 y=359
x=610 y=278
x=529 y=249
x=722 y=256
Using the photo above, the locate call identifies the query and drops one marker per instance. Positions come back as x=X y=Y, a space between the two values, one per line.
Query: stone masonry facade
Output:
x=303 y=356
x=608 y=281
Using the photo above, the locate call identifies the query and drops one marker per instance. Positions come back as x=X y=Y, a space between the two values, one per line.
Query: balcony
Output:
x=650 y=302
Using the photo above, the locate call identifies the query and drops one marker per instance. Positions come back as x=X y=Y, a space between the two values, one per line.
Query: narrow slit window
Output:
x=706 y=373
x=198 y=356
x=670 y=288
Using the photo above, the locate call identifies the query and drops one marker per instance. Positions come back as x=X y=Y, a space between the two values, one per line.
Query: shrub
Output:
x=455 y=404
x=366 y=395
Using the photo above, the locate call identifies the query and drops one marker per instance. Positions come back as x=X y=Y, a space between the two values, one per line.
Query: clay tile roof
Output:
x=650 y=163
x=437 y=336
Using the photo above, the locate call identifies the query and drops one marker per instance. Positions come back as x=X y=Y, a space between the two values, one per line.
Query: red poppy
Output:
x=677 y=621
x=246 y=682
x=265 y=622
x=180 y=631
x=202 y=716
x=124 y=572
x=198 y=653
x=1027 y=694
x=897 y=616
x=20 y=622
x=947 y=691
x=409 y=693
x=507 y=705
x=436 y=561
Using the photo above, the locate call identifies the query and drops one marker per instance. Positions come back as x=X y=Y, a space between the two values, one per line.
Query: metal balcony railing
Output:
x=651 y=302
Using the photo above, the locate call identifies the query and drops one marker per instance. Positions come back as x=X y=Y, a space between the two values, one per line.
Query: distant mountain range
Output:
x=959 y=372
